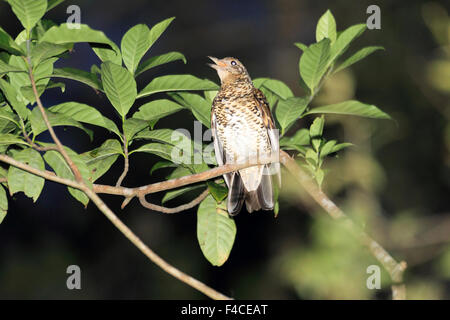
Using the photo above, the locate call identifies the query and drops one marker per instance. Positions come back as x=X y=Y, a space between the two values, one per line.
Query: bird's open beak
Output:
x=218 y=64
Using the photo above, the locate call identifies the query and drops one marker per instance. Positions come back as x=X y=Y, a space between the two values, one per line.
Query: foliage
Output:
x=42 y=43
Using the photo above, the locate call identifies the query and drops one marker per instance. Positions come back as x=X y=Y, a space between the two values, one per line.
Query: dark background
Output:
x=395 y=181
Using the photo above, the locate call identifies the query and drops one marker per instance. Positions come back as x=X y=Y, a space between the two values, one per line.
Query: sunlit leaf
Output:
x=216 y=231
x=20 y=180
x=359 y=55
x=3 y=204
x=134 y=45
x=100 y=160
x=159 y=60
x=288 y=111
x=326 y=27
x=351 y=107
x=78 y=75
x=157 y=109
x=200 y=107
x=344 y=39
x=314 y=62
x=28 y=11
x=180 y=82
x=120 y=87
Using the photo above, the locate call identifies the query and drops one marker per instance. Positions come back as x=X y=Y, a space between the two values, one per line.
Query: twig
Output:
x=31 y=142
x=183 y=207
x=394 y=268
x=126 y=162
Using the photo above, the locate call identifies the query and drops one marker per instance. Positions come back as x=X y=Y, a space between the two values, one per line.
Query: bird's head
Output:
x=229 y=69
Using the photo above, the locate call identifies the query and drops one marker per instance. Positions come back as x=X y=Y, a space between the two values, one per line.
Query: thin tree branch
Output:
x=394 y=268
x=183 y=207
x=126 y=162
x=31 y=142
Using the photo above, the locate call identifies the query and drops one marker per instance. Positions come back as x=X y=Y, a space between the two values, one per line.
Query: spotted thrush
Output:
x=243 y=129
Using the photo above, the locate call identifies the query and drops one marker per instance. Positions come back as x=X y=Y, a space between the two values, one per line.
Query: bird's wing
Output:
x=218 y=148
x=269 y=123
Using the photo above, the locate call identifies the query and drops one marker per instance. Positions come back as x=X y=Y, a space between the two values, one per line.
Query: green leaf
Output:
x=276 y=86
x=56 y=119
x=64 y=35
x=86 y=114
x=326 y=27
x=9 y=116
x=161 y=165
x=301 y=46
x=7 y=139
x=158 y=29
x=53 y=3
x=344 y=39
x=316 y=131
x=314 y=62
x=78 y=75
x=100 y=160
x=359 y=55
x=216 y=231
x=44 y=50
x=8 y=44
x=341 y=146
x=288 y=111
x=301 y=137
x=351 y=107
x=157 y=109
x=180 y=82
x=3 y=204
x=6 y=68
x=327 y=148
x=199 y=106
x=56 y=161
x=29 y=12
x=11 y=94
x=172 y=194
x=20 y=180
x=159 y=60
x=132 y=126
x=162 y=150
x=311 y=157
x=219 y=192
x=120 y=87
x=134 y=45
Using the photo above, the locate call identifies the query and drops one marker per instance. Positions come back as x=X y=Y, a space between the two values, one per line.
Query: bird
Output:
x=243 y=128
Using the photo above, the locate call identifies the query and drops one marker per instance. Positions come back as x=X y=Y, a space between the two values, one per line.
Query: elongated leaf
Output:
x=172 y=194
x=86 y=114
x=8 y=44
x=344 y=39
x=276 y=86
x=159 y=60
x=100 y=160
x=120 y=87
x=63 y=34
x=9 y=116
x=161 y=165
x=157 y=109
x=314 y=62
x=326 y=27
x=11 y=95
x=20 y=180
x=351 y=107
x=3 y=204
x=8 y=139
x=6 y=68
x=182 y=82
x=158 y=29
x=55 y=119
x=132 y=126
x=199 y=106
x=45 y=50
x=216 y=231
x=288 y=111
x=162 y=150
x=300 y=138
x=29 y=12
x=135 y=44
x=78 y=75
x=359 y=55
x=59 y=165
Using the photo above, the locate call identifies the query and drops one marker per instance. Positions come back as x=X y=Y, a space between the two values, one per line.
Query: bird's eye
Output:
x=233 y=63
